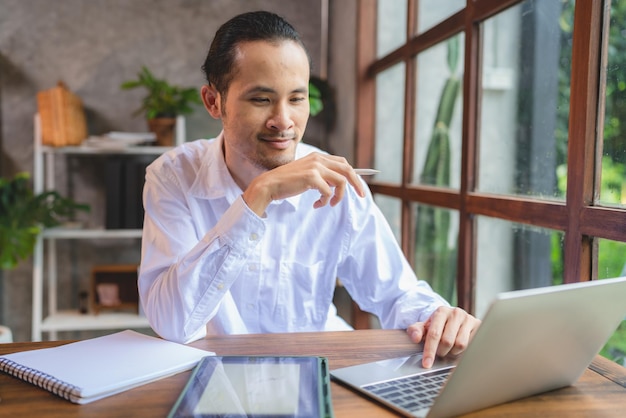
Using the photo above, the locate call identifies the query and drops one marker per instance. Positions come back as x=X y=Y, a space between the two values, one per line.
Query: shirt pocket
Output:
x=304 y=296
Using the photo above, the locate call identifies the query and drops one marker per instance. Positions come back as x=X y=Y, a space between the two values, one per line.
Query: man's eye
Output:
x=260 y=100
x=298 y=99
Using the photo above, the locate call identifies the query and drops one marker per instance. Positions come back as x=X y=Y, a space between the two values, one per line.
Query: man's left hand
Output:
x=447 y=332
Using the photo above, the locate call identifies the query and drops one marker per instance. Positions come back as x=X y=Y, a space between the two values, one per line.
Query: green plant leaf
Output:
x=162 y=99
x=315 y=100
x=23 y=215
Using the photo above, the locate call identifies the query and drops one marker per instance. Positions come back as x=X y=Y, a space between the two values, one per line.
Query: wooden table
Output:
x=600 y=392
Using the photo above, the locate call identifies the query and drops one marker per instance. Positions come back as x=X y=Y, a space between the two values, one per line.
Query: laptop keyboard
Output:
x=412 y=393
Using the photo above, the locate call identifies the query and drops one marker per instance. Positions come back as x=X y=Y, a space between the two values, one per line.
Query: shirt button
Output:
x=254 y=236
x=252 y=267
x=250 y=305
x=220 y=286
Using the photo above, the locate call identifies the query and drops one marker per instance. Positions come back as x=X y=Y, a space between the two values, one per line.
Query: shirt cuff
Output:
x=240 y=227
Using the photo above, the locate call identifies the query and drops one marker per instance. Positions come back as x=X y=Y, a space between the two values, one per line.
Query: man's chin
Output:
x=270 y=165
x=275 y=161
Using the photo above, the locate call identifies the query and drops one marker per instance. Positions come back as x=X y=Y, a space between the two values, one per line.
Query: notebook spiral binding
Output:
x=43 y=380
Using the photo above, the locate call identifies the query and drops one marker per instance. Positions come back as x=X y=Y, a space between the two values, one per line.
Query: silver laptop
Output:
x=530 y=341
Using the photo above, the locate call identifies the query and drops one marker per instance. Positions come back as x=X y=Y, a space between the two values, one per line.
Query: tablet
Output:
x=256 y=386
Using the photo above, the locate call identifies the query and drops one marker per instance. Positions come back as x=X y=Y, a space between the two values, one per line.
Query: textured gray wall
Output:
x=93 y=46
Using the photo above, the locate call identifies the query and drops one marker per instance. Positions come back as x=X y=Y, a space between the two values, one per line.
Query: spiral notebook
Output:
x=92 y=369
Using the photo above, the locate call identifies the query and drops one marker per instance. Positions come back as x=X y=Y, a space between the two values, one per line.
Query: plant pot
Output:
x=163 y=128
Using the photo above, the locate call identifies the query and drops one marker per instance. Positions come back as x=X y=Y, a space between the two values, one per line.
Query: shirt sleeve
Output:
x=184 y=276
x=377 y=274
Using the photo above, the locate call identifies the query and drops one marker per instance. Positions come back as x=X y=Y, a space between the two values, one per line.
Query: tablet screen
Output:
x=236 y=386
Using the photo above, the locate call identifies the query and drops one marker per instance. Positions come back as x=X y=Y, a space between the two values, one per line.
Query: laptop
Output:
x=530 y=341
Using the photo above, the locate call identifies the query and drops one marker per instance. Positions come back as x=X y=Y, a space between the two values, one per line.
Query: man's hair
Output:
x=252 y=26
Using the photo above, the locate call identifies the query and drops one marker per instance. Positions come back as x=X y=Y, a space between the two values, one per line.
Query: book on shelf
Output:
x=62 y=116
x=88 y=370
x=124 y=180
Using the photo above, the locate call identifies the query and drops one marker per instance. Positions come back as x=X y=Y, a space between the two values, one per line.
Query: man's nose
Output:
x=281 y=119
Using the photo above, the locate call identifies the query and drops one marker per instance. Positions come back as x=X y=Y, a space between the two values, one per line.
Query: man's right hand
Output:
x=327 y=174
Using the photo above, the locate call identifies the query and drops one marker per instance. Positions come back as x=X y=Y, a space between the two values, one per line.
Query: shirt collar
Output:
x=222 y=184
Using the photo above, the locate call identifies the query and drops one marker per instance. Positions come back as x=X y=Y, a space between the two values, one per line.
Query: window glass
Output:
x=613 y=176
x=439 y=112
x=432 y=12
x=389 y=123
x=391 y=208
x=436 y=243
x=514 y=256
x=391 y=20
x=525 y=100
x=612 y=263
x=611 y=259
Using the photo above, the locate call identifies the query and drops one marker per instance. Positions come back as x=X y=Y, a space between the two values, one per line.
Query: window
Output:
x=498 y=129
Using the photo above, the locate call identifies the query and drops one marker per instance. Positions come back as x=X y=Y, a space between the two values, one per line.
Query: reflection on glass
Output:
x=439 y=113
x=263 y=389
x=392 y=210
x=432 y=12
x=391 y=31
x=436 y=244
x=513 y=256
x=612 y=263
x=613 y=180
x=389 y=123
x=525 y=100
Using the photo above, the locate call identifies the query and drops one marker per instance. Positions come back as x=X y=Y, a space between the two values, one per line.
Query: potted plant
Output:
x=23 y=215
x=162 y=104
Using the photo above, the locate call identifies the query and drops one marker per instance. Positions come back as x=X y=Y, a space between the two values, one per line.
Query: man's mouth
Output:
x=277 y=142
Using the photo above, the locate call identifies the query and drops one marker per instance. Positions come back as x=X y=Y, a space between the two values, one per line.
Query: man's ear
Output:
x=211 y=99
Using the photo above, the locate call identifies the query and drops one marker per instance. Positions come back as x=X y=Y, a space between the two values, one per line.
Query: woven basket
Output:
x=62 y=117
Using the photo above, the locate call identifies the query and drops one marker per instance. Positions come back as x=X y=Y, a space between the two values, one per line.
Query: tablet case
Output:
x=220 y=376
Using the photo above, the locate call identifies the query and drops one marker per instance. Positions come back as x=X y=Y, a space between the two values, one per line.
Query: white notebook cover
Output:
x=92 y=369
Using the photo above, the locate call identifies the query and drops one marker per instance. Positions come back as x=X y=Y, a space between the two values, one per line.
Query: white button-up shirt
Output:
x=210 y=264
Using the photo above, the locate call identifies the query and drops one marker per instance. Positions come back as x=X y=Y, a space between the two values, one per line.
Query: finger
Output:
x=416 y=331
x=464 y=336
x=341 y=166
x=357 y=183
x=332 y=186
x=433 y=337
x=325 y=195
x=456 y=333
x=443 y=334
x=340 y=190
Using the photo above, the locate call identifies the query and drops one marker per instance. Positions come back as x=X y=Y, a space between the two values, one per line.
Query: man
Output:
x=248 y=232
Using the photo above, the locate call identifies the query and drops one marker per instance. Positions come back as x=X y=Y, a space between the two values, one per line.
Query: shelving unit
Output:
x=43 y=179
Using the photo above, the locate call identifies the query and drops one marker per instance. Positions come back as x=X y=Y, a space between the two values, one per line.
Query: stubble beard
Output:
x=267 y=162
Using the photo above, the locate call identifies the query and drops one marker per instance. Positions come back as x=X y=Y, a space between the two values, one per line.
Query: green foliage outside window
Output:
x=611 y=259
x=435 y=259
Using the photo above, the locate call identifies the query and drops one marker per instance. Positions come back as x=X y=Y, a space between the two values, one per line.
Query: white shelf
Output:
x=88 y=150
x=45 y=261
x=75 y=321
x=77 y=233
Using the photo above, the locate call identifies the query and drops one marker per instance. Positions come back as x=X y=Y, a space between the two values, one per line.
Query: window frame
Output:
x=578 y=216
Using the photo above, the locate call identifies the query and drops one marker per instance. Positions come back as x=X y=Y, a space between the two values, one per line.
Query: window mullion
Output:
x=366 y=91
x=407 y=237
x=582 y=136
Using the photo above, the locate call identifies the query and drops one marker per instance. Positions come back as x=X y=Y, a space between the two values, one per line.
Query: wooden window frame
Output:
x=578 y=216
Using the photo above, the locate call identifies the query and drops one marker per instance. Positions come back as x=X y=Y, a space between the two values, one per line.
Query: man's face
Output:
x=266 y=108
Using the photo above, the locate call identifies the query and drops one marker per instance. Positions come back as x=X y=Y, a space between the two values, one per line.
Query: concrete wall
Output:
x=95 y=45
